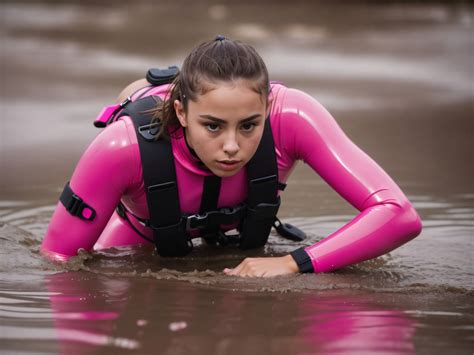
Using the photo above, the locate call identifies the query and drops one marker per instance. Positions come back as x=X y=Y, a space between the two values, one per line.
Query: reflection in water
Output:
x=353 y=325
x=92 y=310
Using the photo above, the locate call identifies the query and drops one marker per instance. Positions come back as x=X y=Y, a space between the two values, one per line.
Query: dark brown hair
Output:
x=221 y=59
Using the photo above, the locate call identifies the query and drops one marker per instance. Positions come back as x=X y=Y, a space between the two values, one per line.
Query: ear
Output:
x=180 y=113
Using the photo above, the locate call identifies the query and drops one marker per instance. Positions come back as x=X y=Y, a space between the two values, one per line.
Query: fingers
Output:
x=250 y=267
x=238 y=269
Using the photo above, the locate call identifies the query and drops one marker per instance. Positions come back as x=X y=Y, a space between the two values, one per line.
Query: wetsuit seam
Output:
x=285 y=151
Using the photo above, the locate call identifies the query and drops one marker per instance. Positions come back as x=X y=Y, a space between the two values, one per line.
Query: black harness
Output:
x=171 y=228
x=169 y=225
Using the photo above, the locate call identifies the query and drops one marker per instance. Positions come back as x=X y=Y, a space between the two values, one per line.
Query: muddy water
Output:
x=399 y=80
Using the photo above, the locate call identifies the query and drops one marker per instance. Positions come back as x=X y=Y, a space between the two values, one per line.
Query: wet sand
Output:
x=399 y=80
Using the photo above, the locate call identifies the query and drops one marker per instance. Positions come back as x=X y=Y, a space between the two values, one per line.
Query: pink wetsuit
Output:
x=110 y=171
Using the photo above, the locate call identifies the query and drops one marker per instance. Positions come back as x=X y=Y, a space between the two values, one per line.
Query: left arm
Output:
x=386 y=219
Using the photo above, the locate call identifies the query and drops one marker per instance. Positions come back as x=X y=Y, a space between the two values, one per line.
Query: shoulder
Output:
x=288 y=101
x=295 y=108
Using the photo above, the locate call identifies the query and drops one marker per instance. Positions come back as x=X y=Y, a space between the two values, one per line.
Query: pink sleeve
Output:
x=102 y=176
x=386 y=220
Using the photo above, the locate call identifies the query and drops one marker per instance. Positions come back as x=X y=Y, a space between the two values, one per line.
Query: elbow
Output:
x=404 y=220
x=409 y=222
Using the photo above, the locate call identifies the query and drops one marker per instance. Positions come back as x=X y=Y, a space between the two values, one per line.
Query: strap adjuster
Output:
x=75 y=205
x=150 y=131
x=78 y=208
x=225 y=215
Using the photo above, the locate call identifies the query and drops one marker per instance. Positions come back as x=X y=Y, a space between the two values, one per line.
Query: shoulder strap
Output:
x=262 y=200
x=159 y=177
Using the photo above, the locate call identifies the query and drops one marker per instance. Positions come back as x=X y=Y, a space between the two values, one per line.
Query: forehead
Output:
x=228 y=99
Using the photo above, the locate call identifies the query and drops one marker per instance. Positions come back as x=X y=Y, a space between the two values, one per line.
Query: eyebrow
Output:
x=220 y=120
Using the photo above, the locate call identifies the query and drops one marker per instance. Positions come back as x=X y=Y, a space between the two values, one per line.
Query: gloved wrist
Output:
x=303 y=260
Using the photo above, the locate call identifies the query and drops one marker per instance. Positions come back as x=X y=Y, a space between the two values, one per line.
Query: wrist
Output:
x=302 y=260
x=291 y=263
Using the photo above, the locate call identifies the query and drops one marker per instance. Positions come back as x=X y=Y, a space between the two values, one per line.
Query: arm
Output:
x=386 y=220
x=102 y=176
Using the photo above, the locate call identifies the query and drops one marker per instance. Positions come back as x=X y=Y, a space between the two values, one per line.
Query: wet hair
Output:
x=219 y=60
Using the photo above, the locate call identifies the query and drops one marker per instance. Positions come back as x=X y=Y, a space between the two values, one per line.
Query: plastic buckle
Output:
x=194 y=221
x=149 y=131
x=78 y=208
x=225 y=215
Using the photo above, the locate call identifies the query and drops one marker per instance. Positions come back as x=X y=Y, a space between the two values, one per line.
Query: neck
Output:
x=193 y=152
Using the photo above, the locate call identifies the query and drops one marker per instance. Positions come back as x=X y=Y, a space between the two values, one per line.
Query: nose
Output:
x=231 y=146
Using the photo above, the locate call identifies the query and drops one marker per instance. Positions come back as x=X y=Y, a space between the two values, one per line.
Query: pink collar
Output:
x=183 y=155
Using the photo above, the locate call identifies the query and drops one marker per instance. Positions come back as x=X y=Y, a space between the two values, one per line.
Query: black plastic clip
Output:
x=149 y=131
x=75 y=205
x=158 y=77
x=289 y=231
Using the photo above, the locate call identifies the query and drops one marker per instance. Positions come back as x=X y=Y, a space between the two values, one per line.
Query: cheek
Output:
x=255 y=139
x=204 y=145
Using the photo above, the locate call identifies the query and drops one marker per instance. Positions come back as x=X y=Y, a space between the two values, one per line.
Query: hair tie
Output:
x=220 y=38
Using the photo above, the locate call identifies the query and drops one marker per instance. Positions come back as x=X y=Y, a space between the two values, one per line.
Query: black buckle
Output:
x=158 y=77
x=149 y=131
x=226 y=215
x=76 y=207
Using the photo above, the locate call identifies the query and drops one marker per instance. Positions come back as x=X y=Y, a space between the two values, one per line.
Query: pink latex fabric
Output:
x=110 y=171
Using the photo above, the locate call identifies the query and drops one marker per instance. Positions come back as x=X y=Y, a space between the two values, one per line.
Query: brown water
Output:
x=398 y=78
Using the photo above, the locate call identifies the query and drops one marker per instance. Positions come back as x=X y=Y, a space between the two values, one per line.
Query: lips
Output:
x=228 y=164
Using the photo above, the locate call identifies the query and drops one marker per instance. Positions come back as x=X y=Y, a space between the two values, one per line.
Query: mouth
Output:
x=228 y=164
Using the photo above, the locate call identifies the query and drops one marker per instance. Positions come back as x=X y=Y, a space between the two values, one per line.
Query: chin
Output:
x=222 y=173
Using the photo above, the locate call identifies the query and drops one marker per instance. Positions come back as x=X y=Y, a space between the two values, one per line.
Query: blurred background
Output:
x=396 y=75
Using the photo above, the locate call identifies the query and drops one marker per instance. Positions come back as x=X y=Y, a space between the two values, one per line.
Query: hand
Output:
x=265 y=267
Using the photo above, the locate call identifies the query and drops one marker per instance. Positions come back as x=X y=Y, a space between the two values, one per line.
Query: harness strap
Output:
x=262 y=201
x=169 y=225
x=159 y=177
x=209 y=200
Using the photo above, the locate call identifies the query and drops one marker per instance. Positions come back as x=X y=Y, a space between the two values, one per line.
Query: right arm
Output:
x=104 y=172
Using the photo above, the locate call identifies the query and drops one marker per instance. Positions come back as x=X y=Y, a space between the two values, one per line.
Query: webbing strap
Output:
x=210 y=193
x=262 y=199
x=159 y=177
x=209 y=200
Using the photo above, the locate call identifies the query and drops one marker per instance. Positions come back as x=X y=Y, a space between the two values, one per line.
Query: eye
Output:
x=212 y=127
x=248 y=126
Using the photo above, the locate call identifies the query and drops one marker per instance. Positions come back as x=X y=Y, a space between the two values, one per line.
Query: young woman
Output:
x=227 y=140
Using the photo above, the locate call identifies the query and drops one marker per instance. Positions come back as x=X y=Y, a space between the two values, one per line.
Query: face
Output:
x=224 y=126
